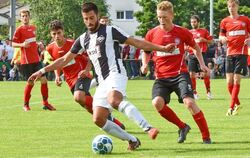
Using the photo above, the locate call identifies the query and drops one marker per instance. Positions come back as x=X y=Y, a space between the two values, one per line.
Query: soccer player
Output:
x=79 y=85
x=25 y=38
x=202 y=38
x=101 y=42
x=104 y=20
x=171 y=71
x=234 y=31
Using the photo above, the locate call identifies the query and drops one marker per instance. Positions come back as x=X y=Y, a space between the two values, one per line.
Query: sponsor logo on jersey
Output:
x=100 y=38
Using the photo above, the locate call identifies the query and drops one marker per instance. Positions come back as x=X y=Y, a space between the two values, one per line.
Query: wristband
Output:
x=42 y=70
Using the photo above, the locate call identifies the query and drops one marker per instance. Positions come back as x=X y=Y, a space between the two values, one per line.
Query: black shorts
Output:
x=193 y=63
x=82 y=84
x=28 y=69
x=180 y=84
x=236 y=64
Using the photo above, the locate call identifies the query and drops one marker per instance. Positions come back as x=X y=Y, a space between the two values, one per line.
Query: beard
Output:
x=93 y=29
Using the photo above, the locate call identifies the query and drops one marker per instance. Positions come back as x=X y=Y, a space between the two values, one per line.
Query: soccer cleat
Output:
x=183 y=133
x=153 y=132
x=26 y=108
x=49 y=107
x=229 y=112
x=207 y=141
x=209 y=96
x=134 y=145
x=236 y=110
x=196 y=96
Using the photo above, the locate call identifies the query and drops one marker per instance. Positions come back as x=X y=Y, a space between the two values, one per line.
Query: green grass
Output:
x=68 y=132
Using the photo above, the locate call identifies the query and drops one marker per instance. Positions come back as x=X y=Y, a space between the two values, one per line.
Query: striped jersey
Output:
x=103 y=50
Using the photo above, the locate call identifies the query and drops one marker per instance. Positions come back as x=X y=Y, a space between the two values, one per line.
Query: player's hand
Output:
x=58 y=81
x=25 y=45
x=35 y=76
x=223 y=39
x=144 y=69
x=83 y=74
x=247 y=42
x=205 y=70
x=170 y=47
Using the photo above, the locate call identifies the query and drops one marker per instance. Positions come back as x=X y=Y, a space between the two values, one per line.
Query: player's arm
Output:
x=145 y=60
x=58 y=81
x=148 y=46
x=86 y=72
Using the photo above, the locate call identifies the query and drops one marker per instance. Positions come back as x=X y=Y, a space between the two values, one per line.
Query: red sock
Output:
x=88 y=103
x=170 y=115
x=202 y=124
x=193 y=80
x=45 y=93
x=27 y=95
x=234 y=96
x=230 y=90
x=207 y=83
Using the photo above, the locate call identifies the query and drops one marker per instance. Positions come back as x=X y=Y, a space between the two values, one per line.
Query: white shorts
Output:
x=114 y=81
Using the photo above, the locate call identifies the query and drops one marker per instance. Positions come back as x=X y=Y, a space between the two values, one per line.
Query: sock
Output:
x=45 y=93
x=230 y=90
x=202 y=124
x=88 y=103
x=171 y=116
x=207 y=83
x=27 y=95
x=193 y=80
x=114 y=130
x=234 y=95
x=132 y=113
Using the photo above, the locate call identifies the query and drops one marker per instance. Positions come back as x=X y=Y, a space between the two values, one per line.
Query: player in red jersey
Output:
x=202 y=38
x=25 y=38
x=171 y=71
x=74 y=70
x=234 y=31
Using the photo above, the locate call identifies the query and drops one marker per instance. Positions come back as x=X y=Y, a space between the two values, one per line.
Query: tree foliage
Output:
x=184 y=9
x=68 y=11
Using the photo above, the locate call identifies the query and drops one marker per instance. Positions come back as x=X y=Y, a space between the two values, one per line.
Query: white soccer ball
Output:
x=102 y=144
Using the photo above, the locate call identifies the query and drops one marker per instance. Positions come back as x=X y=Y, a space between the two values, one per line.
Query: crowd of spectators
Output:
x=10 y=70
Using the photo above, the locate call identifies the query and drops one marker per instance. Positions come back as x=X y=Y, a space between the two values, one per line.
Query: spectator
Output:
x=4 y=73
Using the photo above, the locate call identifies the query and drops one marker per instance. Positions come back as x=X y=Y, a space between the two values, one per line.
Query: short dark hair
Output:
x=89 y=6
x=195 y=17
x=55 y=25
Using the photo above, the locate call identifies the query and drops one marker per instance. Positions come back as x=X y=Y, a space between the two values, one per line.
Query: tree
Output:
x=184 y=9
x=67 y=11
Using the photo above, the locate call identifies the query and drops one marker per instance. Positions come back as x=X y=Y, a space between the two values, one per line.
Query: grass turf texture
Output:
x=69 y=131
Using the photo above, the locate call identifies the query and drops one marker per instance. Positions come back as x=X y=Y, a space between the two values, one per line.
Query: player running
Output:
x=171 y=71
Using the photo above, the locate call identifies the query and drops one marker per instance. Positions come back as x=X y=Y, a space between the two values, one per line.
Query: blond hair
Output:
x=234 y=1
x=24 y=11
x=165 y=6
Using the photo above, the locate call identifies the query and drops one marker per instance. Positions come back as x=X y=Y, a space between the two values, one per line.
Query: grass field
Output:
x=68 y=132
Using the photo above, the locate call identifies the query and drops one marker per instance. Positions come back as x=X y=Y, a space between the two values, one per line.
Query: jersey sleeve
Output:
x=189 y=40
x=119 y=35
x=77 y=47
x=16 y=37
x=222 y=28
x=248 y=25
x=148 y=37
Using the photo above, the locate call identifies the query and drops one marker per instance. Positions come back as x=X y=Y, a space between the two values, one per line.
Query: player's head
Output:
x=56 y=30
x=104 y=20
x=25 y=16
x=165 y=12
x=195 y=21
x=90 y=16
x=233 y=6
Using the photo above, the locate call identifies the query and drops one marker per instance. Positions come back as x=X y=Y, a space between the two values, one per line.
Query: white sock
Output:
x=132 y=113
x=93 y=83
x=114 y=130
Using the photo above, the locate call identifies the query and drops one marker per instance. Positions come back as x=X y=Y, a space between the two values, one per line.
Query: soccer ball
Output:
x=102 y=144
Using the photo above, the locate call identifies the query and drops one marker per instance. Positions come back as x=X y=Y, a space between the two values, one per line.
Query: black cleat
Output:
x=207 y=141
x=183 y=133
x=134 y=145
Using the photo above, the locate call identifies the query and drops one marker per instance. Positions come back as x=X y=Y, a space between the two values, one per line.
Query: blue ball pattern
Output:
x=102 y=144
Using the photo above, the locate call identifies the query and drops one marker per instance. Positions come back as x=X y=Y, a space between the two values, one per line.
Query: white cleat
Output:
x=209 y=96
x=196 y=96
x=229 y=112
x=236 y=109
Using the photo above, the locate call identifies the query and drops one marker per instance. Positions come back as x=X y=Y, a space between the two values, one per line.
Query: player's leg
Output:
x=26 y=70
x=116 y=94
x=206 y=78
x=193 y=69
x=44 y=88
x=100 y=118
x=185 y=94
